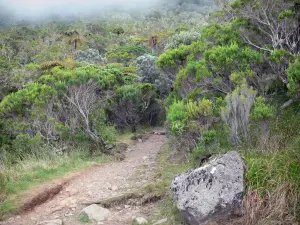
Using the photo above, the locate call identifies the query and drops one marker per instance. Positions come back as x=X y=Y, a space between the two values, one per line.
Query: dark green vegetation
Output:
x=230 y=84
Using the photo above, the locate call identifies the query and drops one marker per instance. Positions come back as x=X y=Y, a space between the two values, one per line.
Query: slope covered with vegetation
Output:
x=220 y=82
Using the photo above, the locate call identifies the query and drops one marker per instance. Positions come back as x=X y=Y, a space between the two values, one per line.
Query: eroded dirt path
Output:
x=98 y=183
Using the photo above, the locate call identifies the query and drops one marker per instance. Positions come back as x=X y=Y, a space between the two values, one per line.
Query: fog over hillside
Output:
x=40 y=10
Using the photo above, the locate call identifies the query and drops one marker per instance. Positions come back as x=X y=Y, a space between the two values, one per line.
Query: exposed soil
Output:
x=65 y=199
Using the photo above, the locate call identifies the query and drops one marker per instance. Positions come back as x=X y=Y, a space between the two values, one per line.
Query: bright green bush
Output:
x=231 y=58
x=32 y=94
x=220 y=34
x=261 y=110
x=173 y=57
x=293 y=72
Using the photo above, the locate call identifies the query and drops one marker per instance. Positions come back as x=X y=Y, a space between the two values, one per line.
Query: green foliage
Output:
x=177 y=117
x=24 y=145
x=183 y=38
x=231 y=58
x=173 y=57
x=267 y=171
x=280 y=55
x=31 y=94
x=293 y=72
x=220 y=34
x=197 y=109
x=180 y=113
x=118 y=31
x=286 y=14
x=125 y=54
x=261 y=110
x=61 y=78
x=195 y=71
x=132 y=103
x=84 y=219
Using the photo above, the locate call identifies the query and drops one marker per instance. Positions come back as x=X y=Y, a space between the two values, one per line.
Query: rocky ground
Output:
x=100 y=183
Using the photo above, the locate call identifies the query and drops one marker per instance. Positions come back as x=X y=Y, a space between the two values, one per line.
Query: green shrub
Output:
x=125 y=54
x=293 y=72
x=25 y=145
x=183 y=38
x=132 y=103
x=261 y=110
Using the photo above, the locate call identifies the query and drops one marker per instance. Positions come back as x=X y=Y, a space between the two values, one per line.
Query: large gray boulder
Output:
x=211 y=192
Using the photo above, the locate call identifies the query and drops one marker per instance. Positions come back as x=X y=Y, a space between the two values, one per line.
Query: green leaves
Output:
x=286 y=14
x=261 y=110
x=181 y=113
x=174 y=56
x=293 y=72
x=32 y=94
x=231 y=58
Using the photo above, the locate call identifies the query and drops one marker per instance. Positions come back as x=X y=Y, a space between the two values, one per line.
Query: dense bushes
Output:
x=232 y=89
x=132 y=104
x=69 y=106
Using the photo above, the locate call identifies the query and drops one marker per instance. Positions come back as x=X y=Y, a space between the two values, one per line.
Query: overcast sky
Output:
x=25 y=9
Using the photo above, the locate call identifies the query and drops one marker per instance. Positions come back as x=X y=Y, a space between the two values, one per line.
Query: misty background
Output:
x=41 y=10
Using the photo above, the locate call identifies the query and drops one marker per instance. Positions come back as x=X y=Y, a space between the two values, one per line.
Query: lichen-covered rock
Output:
x=212 y=192
x=90 y=56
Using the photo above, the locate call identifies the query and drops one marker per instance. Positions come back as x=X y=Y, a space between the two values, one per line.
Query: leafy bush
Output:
x=293 y=77
x=261 y=110
x=125 y=54
x=147 y=69
x=183 y=38
x=132 y=103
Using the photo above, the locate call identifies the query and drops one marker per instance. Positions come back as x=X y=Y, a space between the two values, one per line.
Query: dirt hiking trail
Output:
x=98 y=183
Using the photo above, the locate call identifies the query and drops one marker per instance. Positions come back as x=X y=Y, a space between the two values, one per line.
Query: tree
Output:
x=83 y=98
x=153 y=43
x=75 y=38
x=275 y=20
